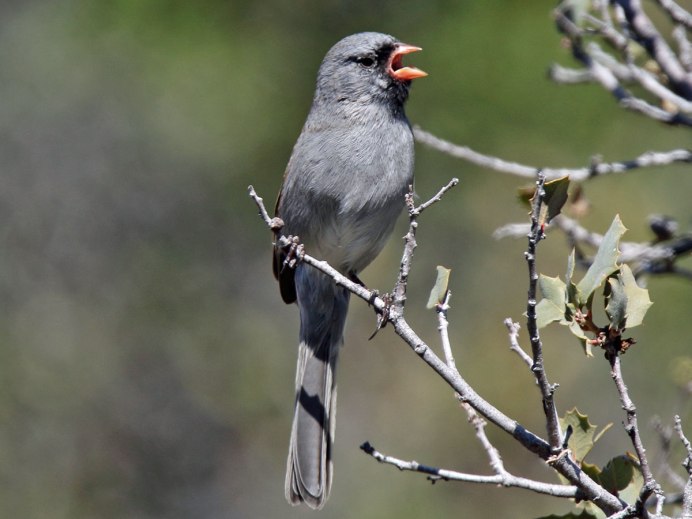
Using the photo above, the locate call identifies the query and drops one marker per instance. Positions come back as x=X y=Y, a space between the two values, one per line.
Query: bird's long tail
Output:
x=323 y=308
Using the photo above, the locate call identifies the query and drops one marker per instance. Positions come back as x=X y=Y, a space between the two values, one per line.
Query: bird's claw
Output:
x=294 y=252
x=382 y=316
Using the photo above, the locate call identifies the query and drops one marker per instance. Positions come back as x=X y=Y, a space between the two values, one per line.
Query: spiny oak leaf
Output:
x=604 y=263
x=583 y=435
x=627 y=302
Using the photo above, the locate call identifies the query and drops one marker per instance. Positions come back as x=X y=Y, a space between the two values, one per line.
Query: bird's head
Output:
x=366 y=68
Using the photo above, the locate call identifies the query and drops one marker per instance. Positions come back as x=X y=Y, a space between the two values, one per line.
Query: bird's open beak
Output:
x=397 y=70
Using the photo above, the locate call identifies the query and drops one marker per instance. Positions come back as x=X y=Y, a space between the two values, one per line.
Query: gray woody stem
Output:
x=505 y=479
x=687 y=492
x=645 y=160
x=631 y=426
x=547 y=390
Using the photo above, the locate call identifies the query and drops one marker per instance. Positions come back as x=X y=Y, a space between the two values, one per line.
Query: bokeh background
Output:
x=147 y=361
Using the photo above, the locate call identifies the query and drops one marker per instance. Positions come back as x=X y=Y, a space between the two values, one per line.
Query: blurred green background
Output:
x=147 y=361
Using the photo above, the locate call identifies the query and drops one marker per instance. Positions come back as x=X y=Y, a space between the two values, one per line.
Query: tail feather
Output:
x=309 y=468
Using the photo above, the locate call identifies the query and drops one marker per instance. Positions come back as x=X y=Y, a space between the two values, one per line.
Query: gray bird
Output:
x=342 y=192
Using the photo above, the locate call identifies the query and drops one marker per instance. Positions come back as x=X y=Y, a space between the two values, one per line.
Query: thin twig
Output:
x=657 y=47
x=569 y=76
x=629 y=11
x=422 y=207
x=630 y=72
x=443 y=327
x=631 y=426
x=684 y=47
x=665 y=434
x=676 y=12
x=645 y=160
x=479 y=426
x=629 y=512
x=399 y=292
x=513 y=330
x=505 y=480
x=687 y=492
x=547 y=390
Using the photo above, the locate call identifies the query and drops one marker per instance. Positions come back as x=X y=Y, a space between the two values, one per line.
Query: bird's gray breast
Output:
x=350 y=181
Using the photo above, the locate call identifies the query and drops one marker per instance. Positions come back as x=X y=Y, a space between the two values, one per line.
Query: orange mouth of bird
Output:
x=396 y=68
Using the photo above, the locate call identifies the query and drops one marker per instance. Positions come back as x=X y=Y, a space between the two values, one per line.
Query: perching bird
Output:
x=342 y=192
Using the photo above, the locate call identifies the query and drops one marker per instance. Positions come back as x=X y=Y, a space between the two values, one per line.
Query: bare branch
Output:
x=684 y=47
x=399 y=292
x=665 y=434
x=630 y=72
x=422 y=207
x=547 y=390
x=631 y=425
x=657 y=47
x=629 y=12
x=645 y=160
x=479 y=426
x=676 y=13
x=687 y=492
x=443 y=327
x=627 y=513
x=569 y=76
x=513 y=329
x=505 y=480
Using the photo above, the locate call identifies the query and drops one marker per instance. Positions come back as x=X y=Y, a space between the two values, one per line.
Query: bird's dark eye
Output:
x=366 y=61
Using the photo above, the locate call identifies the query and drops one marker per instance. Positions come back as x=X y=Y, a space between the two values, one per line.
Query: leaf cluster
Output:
x=570 y=303
x=620 y=476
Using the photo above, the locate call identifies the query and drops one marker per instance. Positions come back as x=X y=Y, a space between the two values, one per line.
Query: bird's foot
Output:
x=294 y=252
x=383 y=315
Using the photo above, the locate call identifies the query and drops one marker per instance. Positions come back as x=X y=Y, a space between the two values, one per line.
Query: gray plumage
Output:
x=343 y=190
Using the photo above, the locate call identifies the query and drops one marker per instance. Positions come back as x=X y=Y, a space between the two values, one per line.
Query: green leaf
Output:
x=547 y=312
x=555 y=196
x=638 y=302
x=552 y=306
x=604 y=263
x=616 y=303
x=572 y=293
x=627 y=302
x=582 y=440
x=630 y=493
x=553 y=289
x=583 y=339
x=439 y=290
x=617 y=474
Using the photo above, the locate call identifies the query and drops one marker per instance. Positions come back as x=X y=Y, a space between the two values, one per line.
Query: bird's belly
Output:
x=356 y=238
